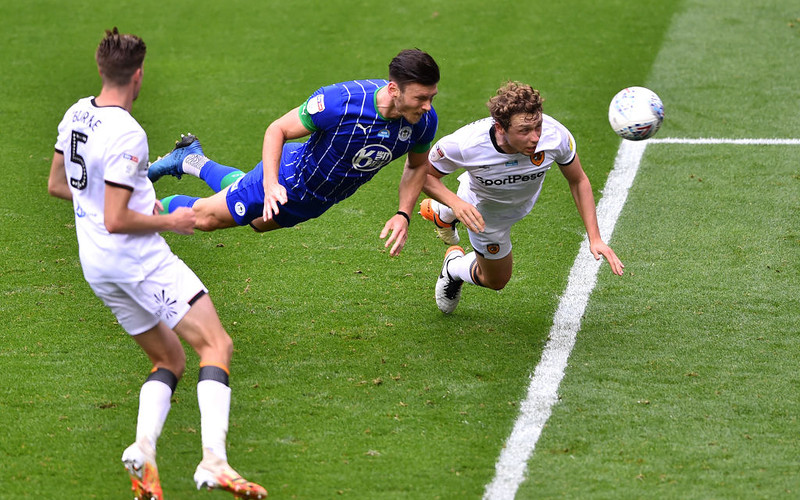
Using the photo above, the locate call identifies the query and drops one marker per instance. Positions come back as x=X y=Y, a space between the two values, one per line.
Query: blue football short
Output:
x=245 y=197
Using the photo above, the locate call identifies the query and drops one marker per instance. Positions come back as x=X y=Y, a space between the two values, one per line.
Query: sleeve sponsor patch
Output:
x=436 y=153
x=131 y=164
x=316 y=104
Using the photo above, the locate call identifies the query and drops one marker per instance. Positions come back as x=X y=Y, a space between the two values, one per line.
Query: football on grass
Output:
x=636 y=113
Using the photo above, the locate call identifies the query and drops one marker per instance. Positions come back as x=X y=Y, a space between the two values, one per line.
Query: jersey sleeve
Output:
x=445 y=156
x=63 y=138
x=565 y=153
x=305 y=117
x=124 y=157
x=323 y=109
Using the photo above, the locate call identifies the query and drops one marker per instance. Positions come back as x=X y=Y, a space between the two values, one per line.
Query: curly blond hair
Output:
x=513 y=98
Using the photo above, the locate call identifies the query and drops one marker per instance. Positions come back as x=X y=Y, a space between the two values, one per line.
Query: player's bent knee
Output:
x=224 y=344
x=174 y=362
x=211 y=214
x=260 y=226
x=207 y=223
x=163 y=348
x=212 y=344
x=495 y=283
x=497 y=286
x=218 y=341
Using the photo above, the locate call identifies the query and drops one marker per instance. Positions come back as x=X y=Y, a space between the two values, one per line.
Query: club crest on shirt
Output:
x=537 y=158
x=316 y=104
x=493 y=248
x=404 y=134
x=372 y=157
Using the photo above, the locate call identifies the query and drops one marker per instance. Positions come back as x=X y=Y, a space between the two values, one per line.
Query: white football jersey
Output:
x=501 y=185
x=100 y=145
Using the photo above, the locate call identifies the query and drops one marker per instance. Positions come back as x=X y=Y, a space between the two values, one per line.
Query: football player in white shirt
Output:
x=505 y=158
x=100 y=164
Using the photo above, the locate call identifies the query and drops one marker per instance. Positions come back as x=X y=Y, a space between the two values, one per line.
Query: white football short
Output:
x=166 y=294
x=494 y=242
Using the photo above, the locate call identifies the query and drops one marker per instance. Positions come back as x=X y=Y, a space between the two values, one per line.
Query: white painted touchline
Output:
x=744 y=142
x=543 y=389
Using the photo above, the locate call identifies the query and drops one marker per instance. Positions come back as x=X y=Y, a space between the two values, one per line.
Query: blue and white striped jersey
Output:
x=351 y=141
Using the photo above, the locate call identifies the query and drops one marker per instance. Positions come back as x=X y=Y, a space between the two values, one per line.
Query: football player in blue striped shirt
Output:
x=354 y=129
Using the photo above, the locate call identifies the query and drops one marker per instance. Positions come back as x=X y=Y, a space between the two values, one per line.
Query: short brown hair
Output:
x=413 y=66
x=513 y=98
x=119 y=56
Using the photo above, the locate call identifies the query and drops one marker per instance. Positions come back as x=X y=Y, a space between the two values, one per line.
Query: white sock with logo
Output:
x=193 y=163
x=460 y=267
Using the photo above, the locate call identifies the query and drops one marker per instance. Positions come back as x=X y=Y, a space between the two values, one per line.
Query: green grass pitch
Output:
x=347 y=381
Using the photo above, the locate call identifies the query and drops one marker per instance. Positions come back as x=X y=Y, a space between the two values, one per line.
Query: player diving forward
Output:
x=506 y=157
x=355 y=128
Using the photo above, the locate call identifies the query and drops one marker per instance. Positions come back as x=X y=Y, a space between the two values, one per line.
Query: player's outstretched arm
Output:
x=285 y=128
x=120 y=219
x=396 y=228
x=581 y=190
x=463 y=210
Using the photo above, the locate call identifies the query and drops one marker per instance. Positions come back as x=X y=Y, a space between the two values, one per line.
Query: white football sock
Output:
x=214 y=400
x=154 y=405
x=460 y=267
x=193 y=163
x=446 y=213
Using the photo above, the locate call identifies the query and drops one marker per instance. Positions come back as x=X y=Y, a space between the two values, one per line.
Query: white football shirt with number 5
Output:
x=100 y=145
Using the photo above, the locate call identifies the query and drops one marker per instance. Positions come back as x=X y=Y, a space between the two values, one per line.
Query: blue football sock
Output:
x=217 y=176
x=171 y=203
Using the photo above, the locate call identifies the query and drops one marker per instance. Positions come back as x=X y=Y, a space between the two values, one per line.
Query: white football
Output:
x=636 y=113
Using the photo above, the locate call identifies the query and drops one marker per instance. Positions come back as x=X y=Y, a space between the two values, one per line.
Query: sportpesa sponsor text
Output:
x=509 y=179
